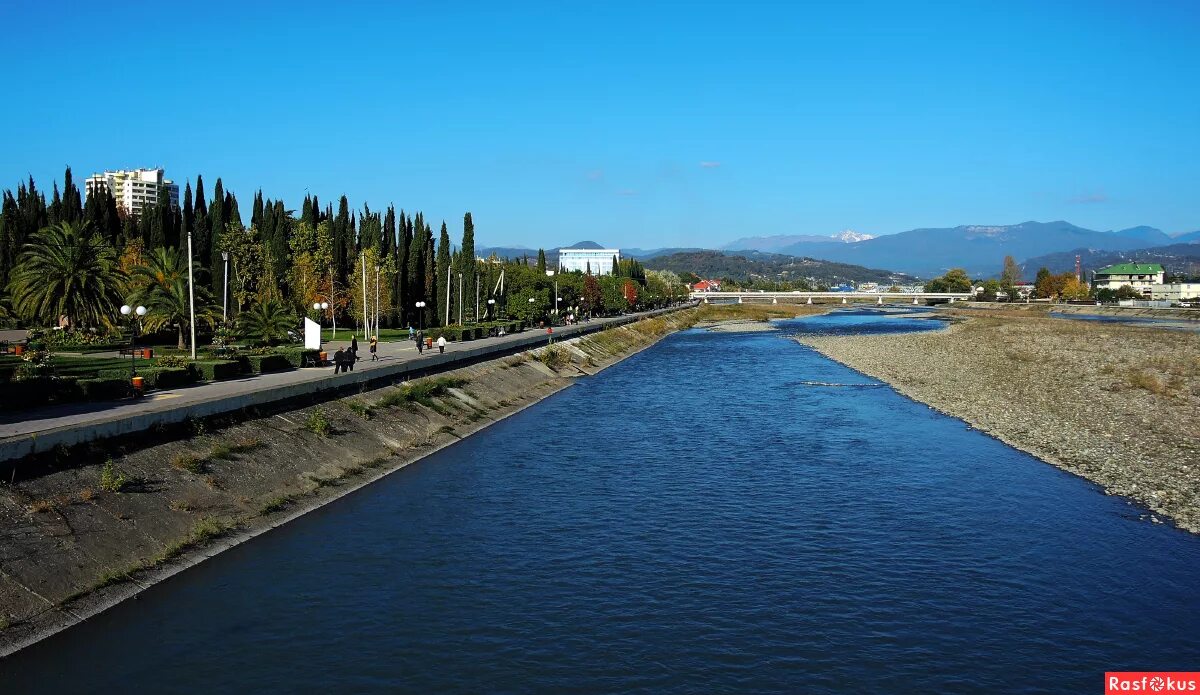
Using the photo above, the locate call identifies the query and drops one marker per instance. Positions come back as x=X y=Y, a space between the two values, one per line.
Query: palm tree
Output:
x=269 y=321
x=162 y=286
x=66 y=270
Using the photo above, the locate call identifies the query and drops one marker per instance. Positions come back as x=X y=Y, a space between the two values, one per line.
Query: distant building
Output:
x=707 y=286
x=1139 y=276
x=1176 y=291
x=135 y=189
x=596 y=261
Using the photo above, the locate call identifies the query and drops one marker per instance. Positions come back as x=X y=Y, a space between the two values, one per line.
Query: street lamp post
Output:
x=139 y=312
x=320 y=306
x=421 y=312
x=491 y=306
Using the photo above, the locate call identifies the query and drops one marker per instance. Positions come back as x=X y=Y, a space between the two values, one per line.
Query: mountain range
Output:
x=927 y=252
x=980 y=249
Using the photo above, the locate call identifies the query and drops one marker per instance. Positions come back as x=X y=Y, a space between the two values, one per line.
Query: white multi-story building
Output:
x=134 y=189
x=595 y=261
x=1139 y=276
x=1176 y=291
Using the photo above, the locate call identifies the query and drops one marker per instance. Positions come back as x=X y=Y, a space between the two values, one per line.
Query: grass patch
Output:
x=204 y=531
x=318 y=424
x=226 y=452
x=553 y=356
x=276 y=504
x=1143 y=379
x=180 y=506
x=423 y=392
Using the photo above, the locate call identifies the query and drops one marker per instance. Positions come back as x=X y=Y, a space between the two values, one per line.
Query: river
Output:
x=721 y=512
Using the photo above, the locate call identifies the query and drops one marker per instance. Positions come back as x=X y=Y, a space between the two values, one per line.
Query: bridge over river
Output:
x=800 y=297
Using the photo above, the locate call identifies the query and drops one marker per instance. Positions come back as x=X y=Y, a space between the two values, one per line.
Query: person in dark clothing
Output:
x=420 y=342
x=338 y=358
x=353 y=350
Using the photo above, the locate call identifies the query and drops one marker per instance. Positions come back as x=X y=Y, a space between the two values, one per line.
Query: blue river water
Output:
x=719 y=513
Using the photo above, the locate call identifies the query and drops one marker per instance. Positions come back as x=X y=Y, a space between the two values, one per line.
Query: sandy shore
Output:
x=1115 y=404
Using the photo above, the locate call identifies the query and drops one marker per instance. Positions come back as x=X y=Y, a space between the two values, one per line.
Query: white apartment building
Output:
x=1139 y=276
x=133 y=189
x=1176 y=291
x=597 y=261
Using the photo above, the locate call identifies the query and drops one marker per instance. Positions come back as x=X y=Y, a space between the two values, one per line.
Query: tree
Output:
x=990 y=290
x=1009 y=277
x=67 y=271
x=955 y=280
x=267 y=322
x=1040 y=285
x=592 y=298
x=541 y=261
x=162 y=287
x=1074 y=288
x=443 y=272
x=468 y=268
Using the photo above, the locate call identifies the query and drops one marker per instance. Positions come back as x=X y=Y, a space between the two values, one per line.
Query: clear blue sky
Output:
x=633 y=124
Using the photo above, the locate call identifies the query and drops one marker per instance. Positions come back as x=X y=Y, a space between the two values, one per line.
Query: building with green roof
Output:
x=1140 y=276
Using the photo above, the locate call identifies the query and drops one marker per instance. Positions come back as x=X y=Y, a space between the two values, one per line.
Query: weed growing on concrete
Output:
x=111 y=479
x=318 y=424
x=553 y=356
x=445 y=429
x=362 y=410
x=180 y=506
x=41 y=506
x=423 y=392
x=87 y=494
x=189 y=462
x=276 y=504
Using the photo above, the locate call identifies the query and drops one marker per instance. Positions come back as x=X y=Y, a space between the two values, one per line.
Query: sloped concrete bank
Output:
x=93 y=531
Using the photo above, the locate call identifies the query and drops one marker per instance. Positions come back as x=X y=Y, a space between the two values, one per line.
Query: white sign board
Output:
x=312 y=334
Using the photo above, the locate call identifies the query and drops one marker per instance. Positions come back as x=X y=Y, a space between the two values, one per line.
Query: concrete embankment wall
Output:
x=70 y=548
x=1042 y=308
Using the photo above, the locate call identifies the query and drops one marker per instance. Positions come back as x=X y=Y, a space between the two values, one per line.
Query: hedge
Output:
x=268 y=363
x=214 y=370
x=38 y=390
x=107 y=389
x=154 y=377
x=300 y=357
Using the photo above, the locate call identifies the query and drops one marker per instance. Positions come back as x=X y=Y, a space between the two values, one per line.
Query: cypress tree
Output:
x=279 y=241
x=306 y=212
x=541 y=261
x=256 y=212
x=430 y=268
x=443 y=273
x=211 y=256
x=9 y=244
x=189 y=217
x=468 y=258
x=616 y=270
x=416 y=270
x=232 y=215
x=202 y=232
x=403 y=241
x=54 y=213
x=72 y=210
x=343 y=244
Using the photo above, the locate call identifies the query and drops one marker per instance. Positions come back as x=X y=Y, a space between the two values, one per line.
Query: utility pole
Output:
x=476 y=302
x=191 y=296
x=225 y=292
x=460 y=293
x=376 y=332
x=449 y=281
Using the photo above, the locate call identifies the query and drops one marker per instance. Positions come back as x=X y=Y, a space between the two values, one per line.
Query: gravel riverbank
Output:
x=1115 y=404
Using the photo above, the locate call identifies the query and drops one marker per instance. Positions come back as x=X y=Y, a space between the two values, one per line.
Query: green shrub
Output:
x=104 y=389
x=214 y=370
x=40 y=390
x=173 y=361
x=154 y=377
x=267 y=363
x=318 y=424
x=111 y=479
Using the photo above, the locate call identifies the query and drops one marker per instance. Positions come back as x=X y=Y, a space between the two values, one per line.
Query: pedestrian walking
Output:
x=338 y=359
x=374 y=347
x=353 y=349
x=420 y=342
x=411 y=332
x=441 y=344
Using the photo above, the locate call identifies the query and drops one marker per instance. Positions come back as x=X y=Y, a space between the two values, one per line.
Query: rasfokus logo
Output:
x=1151 y=682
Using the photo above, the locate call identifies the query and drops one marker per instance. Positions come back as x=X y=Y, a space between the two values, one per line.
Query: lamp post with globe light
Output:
x=421 y=311
x=320 y=306
x=131 y=313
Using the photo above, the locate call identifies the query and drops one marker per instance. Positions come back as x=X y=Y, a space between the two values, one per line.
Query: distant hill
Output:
x=1148 y=235
x=1190 y=237
x=754 y=264
x=1176 y=258
x=977 y=248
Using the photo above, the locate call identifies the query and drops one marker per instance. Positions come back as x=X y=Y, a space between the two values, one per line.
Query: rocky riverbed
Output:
x=1115 y=404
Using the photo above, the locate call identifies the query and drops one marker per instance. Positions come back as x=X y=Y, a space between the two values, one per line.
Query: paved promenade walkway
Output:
x=42 y=429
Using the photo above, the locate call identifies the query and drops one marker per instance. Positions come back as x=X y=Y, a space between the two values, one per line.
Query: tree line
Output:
x=67 y=260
